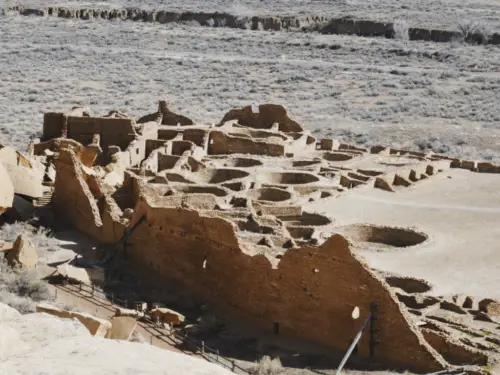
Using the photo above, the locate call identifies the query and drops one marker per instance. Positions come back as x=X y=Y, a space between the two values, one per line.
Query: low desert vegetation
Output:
x=474 y=31
x=21 y=289
x=267 y=366
x=41 y=238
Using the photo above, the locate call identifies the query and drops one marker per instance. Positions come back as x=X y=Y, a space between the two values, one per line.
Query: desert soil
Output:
x=440 y=96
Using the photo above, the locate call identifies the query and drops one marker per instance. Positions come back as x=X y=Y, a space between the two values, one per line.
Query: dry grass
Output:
x=40 y=237
x=267 y=366
x=21 y=289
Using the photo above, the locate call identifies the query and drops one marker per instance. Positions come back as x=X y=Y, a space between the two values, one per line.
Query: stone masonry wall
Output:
x=113 y=131
x=311 y=294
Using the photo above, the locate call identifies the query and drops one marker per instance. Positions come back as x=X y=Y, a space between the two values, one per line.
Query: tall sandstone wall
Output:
x=78 y=198
x=311 y=294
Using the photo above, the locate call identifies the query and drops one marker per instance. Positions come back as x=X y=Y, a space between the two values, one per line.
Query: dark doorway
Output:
x=276 y=328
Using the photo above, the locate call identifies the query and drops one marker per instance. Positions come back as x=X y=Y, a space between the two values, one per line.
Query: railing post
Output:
x=202 y=347
x=217 y=353
x=126 y=304
x=80 y=285
x=112 y=298
x=93 y=290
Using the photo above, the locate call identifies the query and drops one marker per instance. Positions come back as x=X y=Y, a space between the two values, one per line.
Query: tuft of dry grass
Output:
x=267 y=366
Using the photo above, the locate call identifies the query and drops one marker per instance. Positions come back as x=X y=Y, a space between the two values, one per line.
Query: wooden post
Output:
x=80 y=284
x=217 y=353
x=112 y=298
x=202 y=347
x=93 y=288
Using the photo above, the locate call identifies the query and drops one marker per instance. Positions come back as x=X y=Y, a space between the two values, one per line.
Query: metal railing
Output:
x=175 y=336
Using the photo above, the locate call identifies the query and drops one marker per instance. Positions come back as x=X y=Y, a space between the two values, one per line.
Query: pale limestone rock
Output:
x=122 y=328
x=6 y=189
x=96 y=326
x=23 y=254
x=74 y=273
x=7 y=312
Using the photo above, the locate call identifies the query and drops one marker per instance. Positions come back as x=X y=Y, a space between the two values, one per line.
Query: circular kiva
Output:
x=271 y=194
x=409 y=284
x=382 y=236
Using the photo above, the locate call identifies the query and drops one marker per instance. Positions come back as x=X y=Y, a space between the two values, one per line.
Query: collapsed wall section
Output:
x=310 y=295
x=79 y=198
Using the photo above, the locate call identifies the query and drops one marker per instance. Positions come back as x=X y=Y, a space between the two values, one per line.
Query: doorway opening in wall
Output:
x=276 y=328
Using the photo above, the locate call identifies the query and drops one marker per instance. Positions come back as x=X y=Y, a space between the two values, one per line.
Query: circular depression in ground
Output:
x=382 y=237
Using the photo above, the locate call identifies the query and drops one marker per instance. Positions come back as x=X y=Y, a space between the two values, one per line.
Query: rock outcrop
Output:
x=96 y=326
x=6 y=190
x=23 y=254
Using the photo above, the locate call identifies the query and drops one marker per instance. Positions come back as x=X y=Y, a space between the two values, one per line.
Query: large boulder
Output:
x=96 y=326
x=26 y=181
x=122 y=328
x=75 y=274
x=21 y=210
x=26 y=177
x=6 y=190
x=23 y=254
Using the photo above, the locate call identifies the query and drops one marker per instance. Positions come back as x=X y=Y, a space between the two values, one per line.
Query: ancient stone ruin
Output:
x=225 y=209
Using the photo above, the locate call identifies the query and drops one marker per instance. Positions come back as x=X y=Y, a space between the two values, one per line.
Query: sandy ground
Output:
x=444 y=13
x=457 y=209
x=38 y=344
x=365 y=90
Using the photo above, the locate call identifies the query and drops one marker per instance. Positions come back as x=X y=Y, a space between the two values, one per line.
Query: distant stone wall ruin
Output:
x=311 y=23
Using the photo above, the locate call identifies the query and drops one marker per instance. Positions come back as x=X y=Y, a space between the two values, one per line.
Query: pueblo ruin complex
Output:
x=259 y=218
